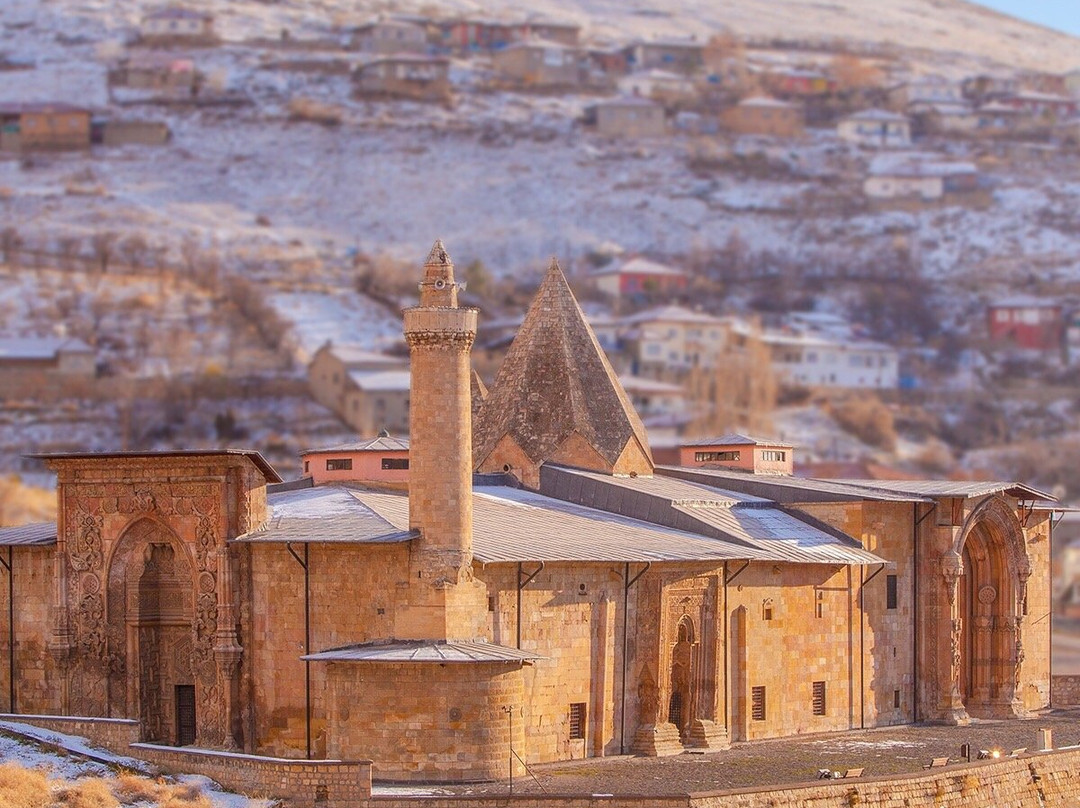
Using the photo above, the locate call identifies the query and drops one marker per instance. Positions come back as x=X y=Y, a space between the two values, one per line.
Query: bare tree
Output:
x=11 y=244
x=104 y=247
x=69 y=247
x=135 y=251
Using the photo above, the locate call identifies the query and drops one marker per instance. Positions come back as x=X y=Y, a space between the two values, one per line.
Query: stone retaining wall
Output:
x=1065 y=690
x=1049 y=780
x=114 y=734
x=301 y=783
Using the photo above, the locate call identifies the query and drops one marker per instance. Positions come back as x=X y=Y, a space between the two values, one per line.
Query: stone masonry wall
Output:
x=1047 y=780
x=301 y=783
x=34 y=580
x=114 y=734
x=1066 y=691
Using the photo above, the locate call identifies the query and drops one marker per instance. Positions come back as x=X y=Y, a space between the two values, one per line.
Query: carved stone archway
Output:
x=150 y=625
x=682 y=700
x=986 y=572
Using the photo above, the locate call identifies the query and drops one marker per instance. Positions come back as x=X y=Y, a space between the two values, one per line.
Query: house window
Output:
x=819 y=698
x=339 y=464
x=757 y=703
x=577 y=721
x=890 y=592
x=710 y=457
x=772 y=454
x=395 y=463
x=307 y=466
x=767 y=609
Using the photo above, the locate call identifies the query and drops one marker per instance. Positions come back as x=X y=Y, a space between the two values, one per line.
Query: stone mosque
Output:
x=542 y=589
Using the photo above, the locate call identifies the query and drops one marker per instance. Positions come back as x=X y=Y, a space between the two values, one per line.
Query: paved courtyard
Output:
x=884 y=751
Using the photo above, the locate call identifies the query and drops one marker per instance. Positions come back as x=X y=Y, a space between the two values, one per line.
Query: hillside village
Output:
x=843 y=243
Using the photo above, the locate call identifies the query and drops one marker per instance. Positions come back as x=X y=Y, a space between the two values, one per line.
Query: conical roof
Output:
x=554 y=382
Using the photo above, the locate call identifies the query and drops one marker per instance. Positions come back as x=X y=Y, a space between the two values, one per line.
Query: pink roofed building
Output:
x=382 y=460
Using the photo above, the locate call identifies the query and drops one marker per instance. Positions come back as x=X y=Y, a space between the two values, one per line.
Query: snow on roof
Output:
x=384 y=380
x=669 y=43
x=812 y=341
x=640 y=266
x=381 y=443
x=763 y=101
x=1025 y=302
x=40 y=107
x=627 y=101
x=918 y=165
x=29 y=348
x=875 y=115
x=176 y=13
x=639 y=384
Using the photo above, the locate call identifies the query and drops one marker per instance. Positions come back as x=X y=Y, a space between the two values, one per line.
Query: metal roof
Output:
x=423 y=651
x=39 y=533
x=786 y=489
x=381 y=380
x=329 y=513
x=382 y=443
x=732 y=439
x=40 y=347
x=768 y=531
x=255 y=457
x=953 y=488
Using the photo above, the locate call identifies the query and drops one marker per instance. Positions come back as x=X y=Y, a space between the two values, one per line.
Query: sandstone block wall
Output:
x=35 y=690
x=301 y=783
x=1066 y=690
x=427 y=721
x=114 y=734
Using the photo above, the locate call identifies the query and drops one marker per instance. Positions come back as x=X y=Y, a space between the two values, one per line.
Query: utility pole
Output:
x=510 y=715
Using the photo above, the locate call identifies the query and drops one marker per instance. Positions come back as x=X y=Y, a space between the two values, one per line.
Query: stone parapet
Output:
x=1065 y=690
x=114 y=734
x=299 y=783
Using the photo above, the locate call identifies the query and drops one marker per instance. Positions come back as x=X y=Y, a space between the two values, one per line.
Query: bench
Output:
x=826 y=774
x=937 y=763
x=853 y=773
x=1018 y=752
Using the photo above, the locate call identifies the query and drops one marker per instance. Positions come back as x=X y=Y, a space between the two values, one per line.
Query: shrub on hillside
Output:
x=868 y=419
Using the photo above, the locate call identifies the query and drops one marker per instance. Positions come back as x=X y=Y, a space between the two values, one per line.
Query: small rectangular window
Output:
x=711 y=457
x=890 y=592
x=307 y=466
x=757 y=703
x=395 y=463
x=339 y=464
x=577 y=721
x=819 y=698
x=770 y=454
x=896 y=699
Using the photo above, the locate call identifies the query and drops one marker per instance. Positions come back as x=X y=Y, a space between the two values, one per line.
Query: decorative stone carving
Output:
x=987 y=595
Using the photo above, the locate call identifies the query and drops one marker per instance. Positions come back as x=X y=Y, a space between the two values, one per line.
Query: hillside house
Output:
x=685 y=55
x=629 y=117
x=382 y=460
x=561 y=31
x=177 y=24
x=377 y=400
x=1026 y=324
x=44 y=126
x=875 y=128
x=654 y=398
x=607 y=60
x=640 y=278
x=984 y=88
x=161 y=74
x=667 y=341
x=797 y=83
x=926 y=91
x=540 y=64
x=390 y=36
x=997 y=118
x=466 y=34
x=29 y=364
x=659 y=85
x=808 y=360
x=948 y=119
x=1044 y=106
x=765 y=116
x=329 y=369
x=419 y=78
x=918 y=178
x=1072 y=338
x=1072 y=83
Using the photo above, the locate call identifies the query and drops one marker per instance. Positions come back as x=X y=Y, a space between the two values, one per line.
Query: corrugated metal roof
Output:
x=382 y=443
x=328 y=513
x=753 y=522
x=423 y=651
x=381 y=380
x=39 y=533
x=786 y=489
x=40 y=347
x=952 y=488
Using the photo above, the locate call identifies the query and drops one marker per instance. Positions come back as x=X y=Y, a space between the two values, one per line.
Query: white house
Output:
x=814 y=361
x=922 y=177
x=672 y=339
x=875 y=127
x=178 y=23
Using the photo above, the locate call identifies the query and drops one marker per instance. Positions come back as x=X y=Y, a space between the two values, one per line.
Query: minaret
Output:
x=443 y=600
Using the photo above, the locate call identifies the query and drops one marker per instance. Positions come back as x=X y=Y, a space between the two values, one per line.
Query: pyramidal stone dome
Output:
x=557 y=399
